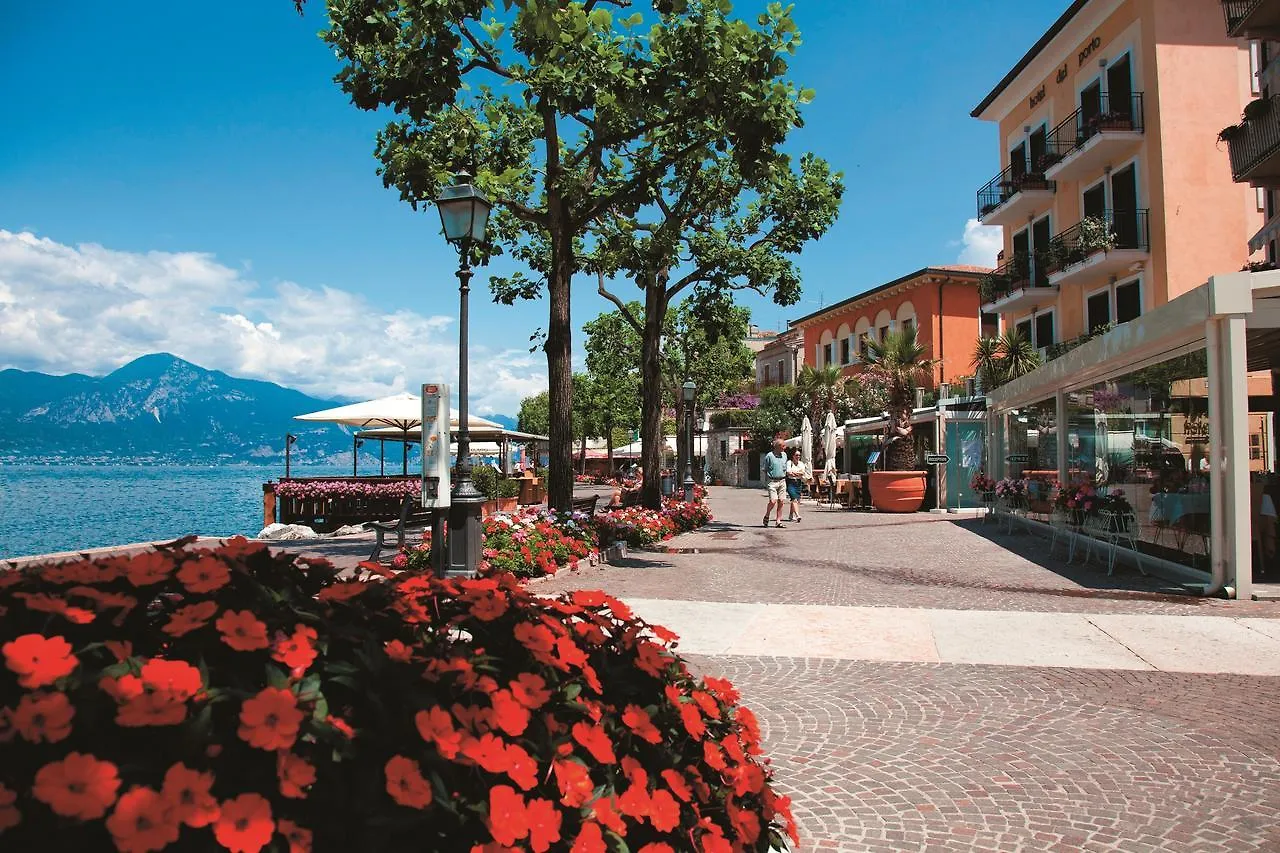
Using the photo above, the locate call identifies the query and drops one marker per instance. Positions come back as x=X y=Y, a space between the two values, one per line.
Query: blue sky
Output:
x=203 y=150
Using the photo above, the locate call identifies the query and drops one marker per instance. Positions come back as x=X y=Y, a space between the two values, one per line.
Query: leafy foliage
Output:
x=900 y=359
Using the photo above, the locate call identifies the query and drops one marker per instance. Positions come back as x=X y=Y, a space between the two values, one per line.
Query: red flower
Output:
x=271 y=719
x=637 y=719
x=295 y=652
x=574 y=780
x=204 y=574
x=9 y=814
x=142 y=822
x=44 y=603
x=652 y=659
x=344 y=591
x=405 y=783
x=237 y=548
x=522 y=769
x=489 y=751
x=530 y=691
x=508 y=819
x=295 y=774
x=486 y=608
x=149 y=568
x=678 y=785
x=243 y=631
x=508 y=714
x=712 y=756
x=604 y=812
x=707 y=704
x=398 y=651
x=664 y=811
x=634 y=802
x=188 y=794
x=38 y=660
x=692 y=721
x=596 y=742
x=44 y=717
x=656 y=847
x=299 y=839
x=187 y=619
x=341 y=726
x=151 y=709
x=244 y=824
x=78 y=786
x=544 y=824
x=723 y=689
x=590 y=839
x=538 y=639
x=436 y=726
x=746 y=826
x=176 y=678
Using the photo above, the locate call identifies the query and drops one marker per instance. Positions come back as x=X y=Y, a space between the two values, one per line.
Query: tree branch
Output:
x=622 y=306
x=490 y=61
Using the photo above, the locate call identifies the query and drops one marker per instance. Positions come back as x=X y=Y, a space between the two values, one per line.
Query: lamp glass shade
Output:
x=464 y=212
x=688 y=389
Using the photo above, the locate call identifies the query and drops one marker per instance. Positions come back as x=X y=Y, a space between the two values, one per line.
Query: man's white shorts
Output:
x=777 y=490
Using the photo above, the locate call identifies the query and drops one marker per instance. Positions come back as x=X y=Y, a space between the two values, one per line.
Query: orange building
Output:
x=1114 y=193
x=940 y=302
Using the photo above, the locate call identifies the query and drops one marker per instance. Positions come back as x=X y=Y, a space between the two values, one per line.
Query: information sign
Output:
x=435 y=445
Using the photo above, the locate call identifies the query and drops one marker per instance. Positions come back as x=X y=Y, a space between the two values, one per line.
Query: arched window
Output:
x=884 y=322
x=906 y=316
x=861 y=331
x=844 y=343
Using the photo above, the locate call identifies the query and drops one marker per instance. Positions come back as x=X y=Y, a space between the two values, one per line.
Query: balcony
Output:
x=1254 y=144
x=1014 y=195
x=1098 y=247
x=1018 y=285
x=1252 y=19
x=1083 y=143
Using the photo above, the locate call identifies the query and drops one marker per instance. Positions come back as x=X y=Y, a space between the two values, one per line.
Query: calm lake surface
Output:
x=47 y=508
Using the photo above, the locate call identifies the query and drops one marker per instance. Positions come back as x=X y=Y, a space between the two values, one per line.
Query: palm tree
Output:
x=900 y=357
x=1018 y=356
x=988 y=365
x=821 y=388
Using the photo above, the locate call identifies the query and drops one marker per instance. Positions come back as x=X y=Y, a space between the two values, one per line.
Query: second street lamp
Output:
x=464 y=215
x=689 y=392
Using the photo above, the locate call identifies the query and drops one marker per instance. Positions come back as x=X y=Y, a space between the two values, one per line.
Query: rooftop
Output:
x=965 y=271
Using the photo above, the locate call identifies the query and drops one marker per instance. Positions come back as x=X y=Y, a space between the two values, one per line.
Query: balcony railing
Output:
x=1113 y=230
x=1078 y=128
x=1008 y=183
x=1237 y=10
x=1014 y=274
x=1255 y=140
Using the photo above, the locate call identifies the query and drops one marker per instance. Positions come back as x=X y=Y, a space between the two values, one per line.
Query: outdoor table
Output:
x=1167 y=508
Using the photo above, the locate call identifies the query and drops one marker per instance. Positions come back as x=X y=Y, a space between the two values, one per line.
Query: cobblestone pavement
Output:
x=899 y=756
x=839 y=557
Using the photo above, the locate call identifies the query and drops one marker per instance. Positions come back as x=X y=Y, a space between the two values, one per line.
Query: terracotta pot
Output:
x=897 y=491
x=488 y=508
x=508 y=504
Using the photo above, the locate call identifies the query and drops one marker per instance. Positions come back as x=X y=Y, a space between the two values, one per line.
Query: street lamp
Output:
x=464 y=215
x=356 y=444
x=688 y=391
x=289 y=440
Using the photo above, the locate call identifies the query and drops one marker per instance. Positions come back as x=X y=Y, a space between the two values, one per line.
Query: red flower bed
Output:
x=238 y=699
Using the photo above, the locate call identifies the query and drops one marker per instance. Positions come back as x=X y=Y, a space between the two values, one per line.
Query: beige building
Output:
x=1113 y=192
x=781 y=358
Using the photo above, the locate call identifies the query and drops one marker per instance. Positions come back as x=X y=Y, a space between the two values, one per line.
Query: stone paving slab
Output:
x=1029 y=639
x=866 y=633
x=1194 y=643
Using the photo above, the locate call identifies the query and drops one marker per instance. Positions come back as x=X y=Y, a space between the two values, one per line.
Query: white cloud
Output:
x=981 y=244
x=90 y=309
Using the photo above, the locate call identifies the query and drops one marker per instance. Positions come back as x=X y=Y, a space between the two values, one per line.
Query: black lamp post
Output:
x=356 y=444
x=289 y=439
x=688 y=391
x=464 y=214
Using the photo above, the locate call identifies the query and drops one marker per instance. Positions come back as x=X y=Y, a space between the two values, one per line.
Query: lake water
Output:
x=47 y=508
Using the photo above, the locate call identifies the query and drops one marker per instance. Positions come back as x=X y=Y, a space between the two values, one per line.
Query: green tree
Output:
x=535 y=416
x=569 y=114
x=822 y=389
x=901 y=358
x=779 y=413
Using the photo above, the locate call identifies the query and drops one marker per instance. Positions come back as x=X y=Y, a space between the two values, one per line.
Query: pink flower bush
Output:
x=327 y=489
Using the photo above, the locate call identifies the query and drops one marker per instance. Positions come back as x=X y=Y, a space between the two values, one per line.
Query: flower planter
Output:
x=508 y=504
x=897 y=491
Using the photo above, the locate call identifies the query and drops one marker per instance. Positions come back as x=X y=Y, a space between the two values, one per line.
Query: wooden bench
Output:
x=585 y=505
x=409 y=520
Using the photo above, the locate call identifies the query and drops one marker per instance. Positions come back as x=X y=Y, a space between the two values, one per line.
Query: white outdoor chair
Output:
x=1063 y=531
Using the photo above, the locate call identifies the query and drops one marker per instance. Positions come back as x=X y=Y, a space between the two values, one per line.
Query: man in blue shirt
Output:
x=774 y=469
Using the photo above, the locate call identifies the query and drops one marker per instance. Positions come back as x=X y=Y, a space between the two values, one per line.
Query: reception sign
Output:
x=435 y=445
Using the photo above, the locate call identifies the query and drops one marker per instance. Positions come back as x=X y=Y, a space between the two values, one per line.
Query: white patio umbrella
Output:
x=399 y=411
x=829 y=435
x=806 y=442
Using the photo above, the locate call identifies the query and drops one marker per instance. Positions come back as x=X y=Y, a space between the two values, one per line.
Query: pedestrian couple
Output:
x=785 y=479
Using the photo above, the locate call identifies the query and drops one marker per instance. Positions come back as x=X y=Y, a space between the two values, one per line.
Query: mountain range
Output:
x=160 y=408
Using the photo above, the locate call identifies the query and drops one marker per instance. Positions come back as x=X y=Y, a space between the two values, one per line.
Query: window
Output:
x=1255 y=446
x=768 y=374
x=1044 y=329
x=884 y=330
x=829 y=357
x=724 y=450
x=908 y=325
x=1256 y=65
x=862 y=345
x=1098 y=308
x=1024 y=329
x=844 y=351
x=990 y=324
x=782 y=373
x=1128 y=302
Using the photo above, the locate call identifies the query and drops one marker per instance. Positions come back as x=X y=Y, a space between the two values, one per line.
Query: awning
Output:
x=402 y=412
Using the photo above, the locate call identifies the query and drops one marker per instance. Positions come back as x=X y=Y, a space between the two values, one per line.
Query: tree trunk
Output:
x=559 y=349
x=652 y=444
x=582 y=458
x=608 y=443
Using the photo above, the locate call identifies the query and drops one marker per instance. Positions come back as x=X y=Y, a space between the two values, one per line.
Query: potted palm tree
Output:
x=900 y=359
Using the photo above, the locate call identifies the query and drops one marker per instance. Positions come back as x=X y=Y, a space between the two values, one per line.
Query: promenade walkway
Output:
x=927 y=683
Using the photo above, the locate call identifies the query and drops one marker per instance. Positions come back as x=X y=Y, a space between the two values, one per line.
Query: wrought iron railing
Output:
x=1003 y=186
x=1236 y=11
x=1123 y=113
x=1114 y=229
x=1014 y=274
x=1254 y=139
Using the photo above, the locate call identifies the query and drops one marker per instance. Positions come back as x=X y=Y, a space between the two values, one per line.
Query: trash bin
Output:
x=668 y=485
